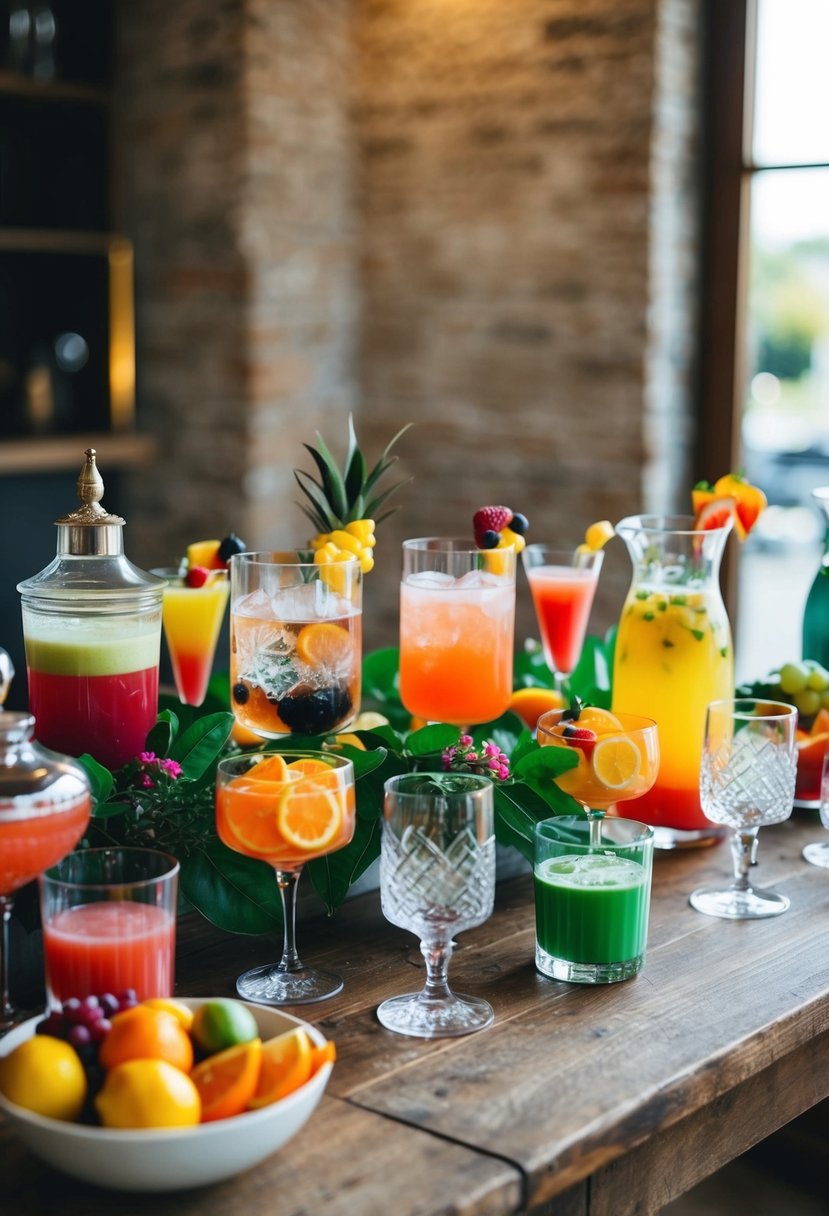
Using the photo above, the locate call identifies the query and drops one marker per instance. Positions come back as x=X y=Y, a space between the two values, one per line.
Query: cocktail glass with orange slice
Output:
x=618 y=754
x=286 y=808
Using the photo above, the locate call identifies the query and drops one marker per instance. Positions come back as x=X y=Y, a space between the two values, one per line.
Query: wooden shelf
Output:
x=14 y=84
x=52 y=454
x=55 y=240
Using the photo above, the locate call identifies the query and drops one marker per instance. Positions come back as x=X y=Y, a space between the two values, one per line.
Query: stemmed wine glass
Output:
x=437 y=878
x=286 y=808
x=746 y=782
x=563 y=584
x=817 y=853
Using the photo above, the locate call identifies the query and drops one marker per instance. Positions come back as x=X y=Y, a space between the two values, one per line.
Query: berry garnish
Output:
x=196 y=576
x=230 y=546
x=520 y=524
x=488 y=540
x=313 y=712
x=490 y=519
x=581 y=737
x=241 y=693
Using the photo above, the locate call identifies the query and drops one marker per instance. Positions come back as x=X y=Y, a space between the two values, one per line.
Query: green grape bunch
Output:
x=804 y=684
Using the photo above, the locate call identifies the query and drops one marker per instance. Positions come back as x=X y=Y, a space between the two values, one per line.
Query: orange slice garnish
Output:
x=286 y=1064
x=324 y=644
x=309 y=766
x=227 y=1080
x=309 y=815
x=273 y=769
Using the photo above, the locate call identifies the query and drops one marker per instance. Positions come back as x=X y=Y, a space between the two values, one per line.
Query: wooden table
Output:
x=602 y=1101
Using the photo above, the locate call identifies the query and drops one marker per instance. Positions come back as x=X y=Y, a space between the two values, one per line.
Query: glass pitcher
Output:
x=816 y=615
x=673 y=656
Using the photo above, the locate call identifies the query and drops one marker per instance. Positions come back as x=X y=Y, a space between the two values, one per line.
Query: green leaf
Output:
x=108 y=810
x=375 y=503
x=592 y=677
x=530 y=669
x=364 y=762
x=320 y=514
x=537 y=770
x=163 y=734
x=381 y=674
x=333 y=875
x=526 y=743
x=331 y=477
x=101 y=780
x=202 y=743
x=517 y=810
x=504 y=731
x=234 y=893
x=429 y=740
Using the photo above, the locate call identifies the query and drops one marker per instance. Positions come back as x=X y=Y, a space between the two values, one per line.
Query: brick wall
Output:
x=474 y=215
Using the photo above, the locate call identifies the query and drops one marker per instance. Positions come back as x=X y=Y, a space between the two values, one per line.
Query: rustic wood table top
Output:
x=596 y=1101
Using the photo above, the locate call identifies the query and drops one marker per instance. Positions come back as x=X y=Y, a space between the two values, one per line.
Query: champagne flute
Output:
x=817 y=853
x=746 y=782
x=563 y=584
x=437 y=878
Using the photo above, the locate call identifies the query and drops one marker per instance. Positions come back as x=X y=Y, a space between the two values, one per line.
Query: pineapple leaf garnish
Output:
x=341 y=496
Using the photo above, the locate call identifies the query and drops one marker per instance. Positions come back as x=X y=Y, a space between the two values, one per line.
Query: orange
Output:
x=324 y=644
x=309 y=766
x=820 y=726
x=750 y=501
x=326 y=1054
x=142 y=1033
x=287 y=1063
x=272 y=769
x=531 y=703
x=244 y=737
x=226 y=1082
x=602 y=721
x=310 y=813
x=176 y=1008
x=148 y=1093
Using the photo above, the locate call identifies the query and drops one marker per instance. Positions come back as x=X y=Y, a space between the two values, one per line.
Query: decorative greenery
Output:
x=165 y=798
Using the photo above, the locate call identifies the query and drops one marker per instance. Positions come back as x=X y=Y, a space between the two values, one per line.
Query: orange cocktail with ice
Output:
x=457 y=621
x=286 y=809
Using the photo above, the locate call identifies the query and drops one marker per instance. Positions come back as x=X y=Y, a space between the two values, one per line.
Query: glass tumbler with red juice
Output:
x=109 y=919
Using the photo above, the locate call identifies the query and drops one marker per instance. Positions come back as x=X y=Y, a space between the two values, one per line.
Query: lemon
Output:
x=45 y=1075
x=616 y=762
x=598 y=534
x=182 y=1013
x=223 y=1023
x=369 y=721
x=148 y=1093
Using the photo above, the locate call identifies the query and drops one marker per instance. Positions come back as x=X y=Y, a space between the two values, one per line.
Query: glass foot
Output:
x=817 y=854
x=269 y=986
x=738 y=905
x=673 y=838
x=426 y=1018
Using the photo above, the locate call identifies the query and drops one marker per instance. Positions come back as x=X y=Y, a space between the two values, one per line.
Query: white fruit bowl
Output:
x=170 y=1159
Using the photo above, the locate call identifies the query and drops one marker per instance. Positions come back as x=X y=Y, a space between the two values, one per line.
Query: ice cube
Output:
x=430 y=579
x=479 y=578
x=255 y=604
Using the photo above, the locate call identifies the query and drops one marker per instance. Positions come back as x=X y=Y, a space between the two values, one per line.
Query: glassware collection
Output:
x=675 y=761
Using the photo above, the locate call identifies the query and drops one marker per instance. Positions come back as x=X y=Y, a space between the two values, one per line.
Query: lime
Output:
x=45 y=1075
x=221 y=1023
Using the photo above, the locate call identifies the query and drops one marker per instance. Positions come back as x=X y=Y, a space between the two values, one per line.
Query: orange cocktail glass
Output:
x=286 y=809
x=457 y=622
x=617 y=754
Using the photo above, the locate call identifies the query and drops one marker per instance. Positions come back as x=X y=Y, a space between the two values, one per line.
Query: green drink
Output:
x=591 y=903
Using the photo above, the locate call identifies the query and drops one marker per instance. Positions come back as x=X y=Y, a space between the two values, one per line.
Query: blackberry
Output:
x=230 y=546
x=241 y=693
x=315 y=712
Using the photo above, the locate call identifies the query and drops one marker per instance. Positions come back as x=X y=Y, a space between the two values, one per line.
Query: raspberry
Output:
x=490 y=519
x=580 y=736
x=196 y=576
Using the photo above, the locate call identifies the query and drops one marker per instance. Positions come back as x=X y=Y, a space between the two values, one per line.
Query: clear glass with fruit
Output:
x=617 y=754
x=286 y=809
x=195 y=599
x=295 y=642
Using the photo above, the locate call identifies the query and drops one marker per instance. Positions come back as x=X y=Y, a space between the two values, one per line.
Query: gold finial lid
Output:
x=90 y=530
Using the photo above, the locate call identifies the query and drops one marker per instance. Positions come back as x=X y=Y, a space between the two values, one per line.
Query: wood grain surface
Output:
x=579 y=1101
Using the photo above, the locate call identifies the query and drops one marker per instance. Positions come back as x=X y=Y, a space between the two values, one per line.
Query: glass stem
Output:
x=6 y=1008
x=437 y=956
x=287 y=881
x=743 y=853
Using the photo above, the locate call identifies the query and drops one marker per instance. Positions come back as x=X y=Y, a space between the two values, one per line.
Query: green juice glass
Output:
x=591 y=899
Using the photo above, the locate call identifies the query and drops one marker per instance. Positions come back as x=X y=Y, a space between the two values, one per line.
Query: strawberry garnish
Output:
x=581 y=737
x=196 y=576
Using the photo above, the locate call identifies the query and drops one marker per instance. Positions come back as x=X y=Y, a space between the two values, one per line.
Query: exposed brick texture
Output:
x=471 y=214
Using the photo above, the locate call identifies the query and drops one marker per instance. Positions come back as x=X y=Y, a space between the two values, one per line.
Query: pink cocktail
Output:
x=563 y=584
x=109 y=947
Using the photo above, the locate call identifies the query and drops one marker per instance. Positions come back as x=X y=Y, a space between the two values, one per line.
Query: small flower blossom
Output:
x=151 y=766
x=489 y=762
